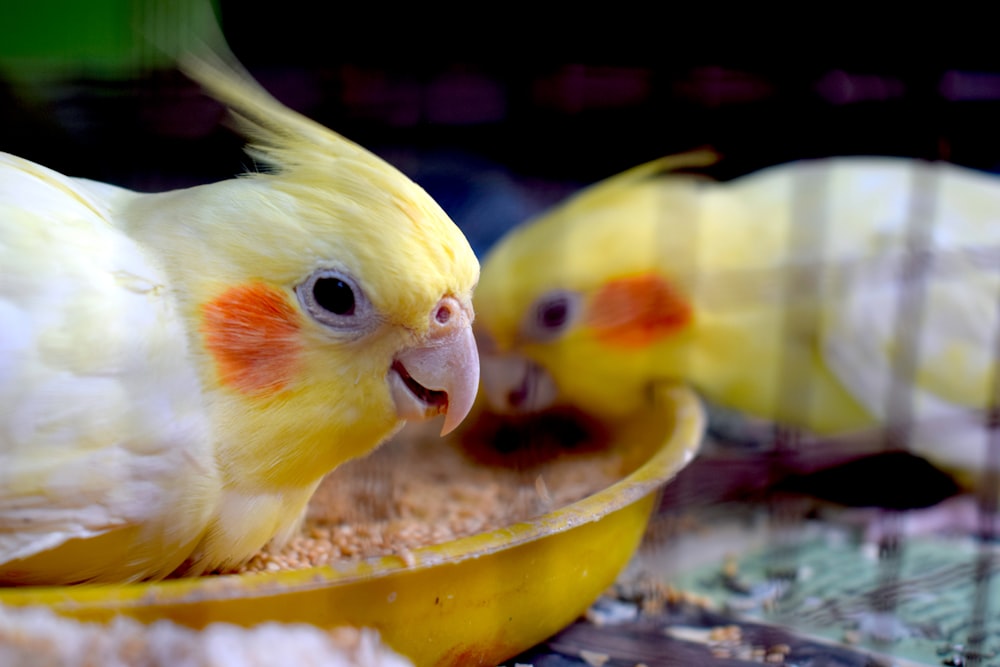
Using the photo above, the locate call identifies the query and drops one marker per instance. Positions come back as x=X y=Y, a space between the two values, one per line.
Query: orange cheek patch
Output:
x=636 y=311
x=251 y=331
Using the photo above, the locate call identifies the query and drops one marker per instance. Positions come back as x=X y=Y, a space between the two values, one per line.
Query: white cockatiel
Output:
x=179 y=370
x=838 y=296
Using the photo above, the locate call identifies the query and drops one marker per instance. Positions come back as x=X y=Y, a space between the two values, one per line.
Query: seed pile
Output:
x=419 y=490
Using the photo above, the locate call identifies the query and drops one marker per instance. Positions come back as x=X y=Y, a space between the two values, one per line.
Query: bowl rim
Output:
x=676 y=406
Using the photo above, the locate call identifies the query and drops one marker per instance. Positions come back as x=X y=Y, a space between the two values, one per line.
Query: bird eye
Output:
x=551 y=315
x=334 y=295
x=333 y=299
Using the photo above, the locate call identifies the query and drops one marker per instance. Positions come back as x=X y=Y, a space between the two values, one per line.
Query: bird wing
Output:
x=914 y=331
x=101 y=415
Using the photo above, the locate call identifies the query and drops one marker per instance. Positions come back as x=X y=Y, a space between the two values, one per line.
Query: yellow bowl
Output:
x=473 y=601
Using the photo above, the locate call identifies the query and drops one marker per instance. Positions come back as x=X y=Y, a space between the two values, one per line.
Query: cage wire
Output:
x=912 y=601
x=917 y=266
x=959 y=630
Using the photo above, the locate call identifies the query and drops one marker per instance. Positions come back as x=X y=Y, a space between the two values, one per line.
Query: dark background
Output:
x=500 y=111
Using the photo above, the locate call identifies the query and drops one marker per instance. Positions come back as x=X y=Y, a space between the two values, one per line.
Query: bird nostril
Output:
x=443 y=314
x=518 y=397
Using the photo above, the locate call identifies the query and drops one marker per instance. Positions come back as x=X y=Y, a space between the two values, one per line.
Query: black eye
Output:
x=335 y=299
x=552 y=314
x=335 y=295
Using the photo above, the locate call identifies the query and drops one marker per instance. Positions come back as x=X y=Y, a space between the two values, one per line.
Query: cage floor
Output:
x=741 y=583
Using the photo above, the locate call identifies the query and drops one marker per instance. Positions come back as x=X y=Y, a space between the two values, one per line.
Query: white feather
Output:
x=914 y=326
x=102 y=424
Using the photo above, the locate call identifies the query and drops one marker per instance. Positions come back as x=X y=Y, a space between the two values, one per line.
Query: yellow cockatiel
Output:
x=835 y=295
x=179 y=370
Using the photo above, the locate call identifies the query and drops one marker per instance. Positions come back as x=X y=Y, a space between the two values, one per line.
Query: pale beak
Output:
x=441 y=375
x=512 y=383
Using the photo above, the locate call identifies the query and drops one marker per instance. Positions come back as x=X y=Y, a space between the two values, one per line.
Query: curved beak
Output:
x=513 y=383
x=442 y=374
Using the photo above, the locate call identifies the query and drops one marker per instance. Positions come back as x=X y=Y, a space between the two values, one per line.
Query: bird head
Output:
x=330 y=298
x=574 y=305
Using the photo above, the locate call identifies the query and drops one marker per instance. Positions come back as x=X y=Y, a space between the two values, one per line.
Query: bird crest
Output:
x=278 y=136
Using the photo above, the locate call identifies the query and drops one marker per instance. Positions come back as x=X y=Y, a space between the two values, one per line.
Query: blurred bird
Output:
x=848 y=298
x=179 y=370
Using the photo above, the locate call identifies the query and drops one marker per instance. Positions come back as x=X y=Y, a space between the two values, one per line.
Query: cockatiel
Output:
x=179 y=370
x=835 y=295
